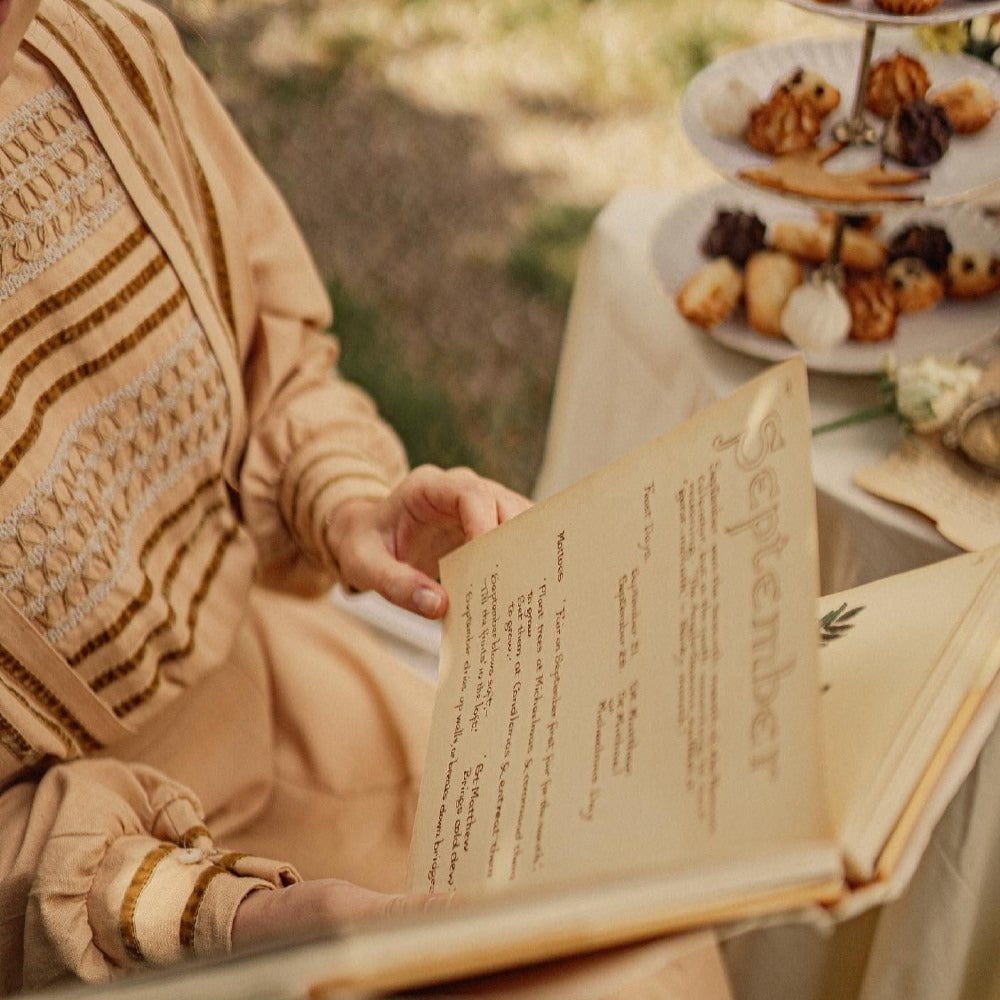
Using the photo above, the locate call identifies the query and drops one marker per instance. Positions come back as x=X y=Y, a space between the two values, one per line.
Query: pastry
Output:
x=805 y=85
x=813 y=242
x=734 y=234
x=916 y=286
x=711 y=293
x=873 y=306
x=895 y=80
x=917 y=134
x=928 y=242
x=908 y=8
x=783 y=124
x=816 y=316
x=972 y=274
x=804 y=173
x=768 y=281
x=725 y=110
x=969 y=103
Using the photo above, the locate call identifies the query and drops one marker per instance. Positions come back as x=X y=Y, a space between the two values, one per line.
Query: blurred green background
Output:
x=446 y=159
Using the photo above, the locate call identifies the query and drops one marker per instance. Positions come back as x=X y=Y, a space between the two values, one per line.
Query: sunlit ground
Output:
x=445 y=159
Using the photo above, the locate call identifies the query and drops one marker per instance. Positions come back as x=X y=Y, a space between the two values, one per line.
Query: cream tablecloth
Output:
x=631 y=367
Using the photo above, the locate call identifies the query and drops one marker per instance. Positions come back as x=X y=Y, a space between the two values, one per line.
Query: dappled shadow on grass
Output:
x=411 y=213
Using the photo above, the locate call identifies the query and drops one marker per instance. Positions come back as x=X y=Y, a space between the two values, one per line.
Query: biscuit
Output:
x=874 y=309
x=711 y=293
x=968 y=102
x=859 y=250
x=925 y=240
x=894 y=80
x=908 y=8
x=783 y=124
x=768 y=281
x=806 y=85
x=972 y=274
x=916 y=286
x=918 y=133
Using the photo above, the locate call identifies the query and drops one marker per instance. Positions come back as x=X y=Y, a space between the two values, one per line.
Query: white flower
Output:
x=931 y=391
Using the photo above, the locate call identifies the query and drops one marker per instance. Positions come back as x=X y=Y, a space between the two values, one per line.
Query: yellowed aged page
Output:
x=628 y=670
x=962 y=501
x=905 y=657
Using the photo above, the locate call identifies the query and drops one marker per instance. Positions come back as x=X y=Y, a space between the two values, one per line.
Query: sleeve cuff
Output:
x=162 y=902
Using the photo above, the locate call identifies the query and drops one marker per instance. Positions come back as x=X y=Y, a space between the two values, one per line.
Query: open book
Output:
x=647 y=720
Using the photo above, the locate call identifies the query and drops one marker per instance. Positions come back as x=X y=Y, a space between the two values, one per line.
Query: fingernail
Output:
x=426 y=601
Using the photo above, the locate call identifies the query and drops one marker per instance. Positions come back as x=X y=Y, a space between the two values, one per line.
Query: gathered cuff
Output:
x=129 y=876
x=166 y=902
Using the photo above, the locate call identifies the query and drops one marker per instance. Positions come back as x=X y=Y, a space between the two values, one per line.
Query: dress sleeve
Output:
x=113 y=869
x=314 y=439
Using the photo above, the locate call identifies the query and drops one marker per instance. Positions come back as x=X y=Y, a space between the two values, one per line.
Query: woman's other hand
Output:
x=320 y=904
x=393 y=545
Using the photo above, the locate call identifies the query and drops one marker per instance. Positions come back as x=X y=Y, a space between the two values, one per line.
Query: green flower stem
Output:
x=859 y=417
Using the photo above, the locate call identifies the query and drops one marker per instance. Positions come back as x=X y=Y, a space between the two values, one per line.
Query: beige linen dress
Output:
x=172 y=438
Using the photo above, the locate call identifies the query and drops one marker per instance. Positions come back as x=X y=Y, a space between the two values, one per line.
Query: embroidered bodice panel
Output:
x=113 y=414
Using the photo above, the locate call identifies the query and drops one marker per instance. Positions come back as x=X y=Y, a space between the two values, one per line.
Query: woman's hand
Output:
x=268 y=914
x=393 y=545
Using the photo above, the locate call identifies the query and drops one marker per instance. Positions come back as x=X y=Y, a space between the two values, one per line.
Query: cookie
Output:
x=893 y=81
x=783 y=124
x=927 y=241
x=972 y=274
x=806 y=85
x=769 y=279
x=874 y=309
x=711 y=293
x=725 y=111
x=969 y=104
x=805 y=173
x=918 y=134
x=907 y=8
x=813 y=242
x=734 y=234
x=916 y=286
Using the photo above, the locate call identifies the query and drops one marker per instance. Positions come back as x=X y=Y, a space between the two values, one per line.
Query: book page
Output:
x=628 y=669
x=903 y=656
x=963 y=501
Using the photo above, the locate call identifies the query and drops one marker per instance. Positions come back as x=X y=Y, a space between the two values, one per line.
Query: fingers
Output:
x=460 y=495
x=367 y=563
x=393 y=546
x=266 y=914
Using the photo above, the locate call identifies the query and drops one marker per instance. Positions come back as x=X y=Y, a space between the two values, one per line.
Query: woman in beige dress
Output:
x=196 y=749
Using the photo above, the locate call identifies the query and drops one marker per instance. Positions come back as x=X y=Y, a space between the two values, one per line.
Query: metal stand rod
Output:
x=856 y=130
x=831 y=269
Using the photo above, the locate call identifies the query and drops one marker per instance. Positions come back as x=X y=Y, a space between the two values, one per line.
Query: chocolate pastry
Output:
x=927 y=242
x=734 y=234
x=917 y=134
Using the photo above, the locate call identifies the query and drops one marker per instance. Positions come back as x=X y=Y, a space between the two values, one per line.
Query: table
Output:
x=631 y=367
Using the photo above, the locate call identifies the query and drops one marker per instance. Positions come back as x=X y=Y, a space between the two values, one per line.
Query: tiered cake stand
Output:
x=943 y=195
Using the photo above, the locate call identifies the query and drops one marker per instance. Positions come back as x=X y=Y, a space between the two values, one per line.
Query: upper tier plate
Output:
x=868 y=10
x=947 y=328
x=971 y=163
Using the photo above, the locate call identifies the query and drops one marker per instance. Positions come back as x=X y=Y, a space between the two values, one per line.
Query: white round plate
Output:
x=971 y=163
x=868 y=10
x=947 y=328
